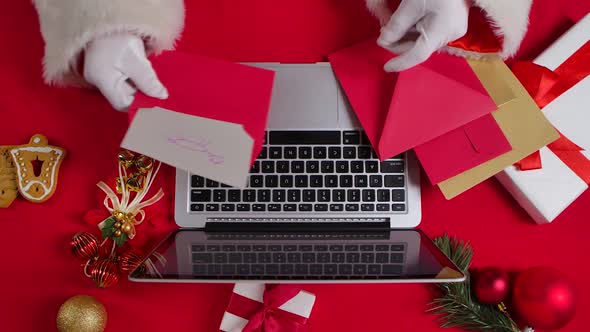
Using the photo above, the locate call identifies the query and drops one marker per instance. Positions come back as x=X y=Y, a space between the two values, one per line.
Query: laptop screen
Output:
x=392 y=255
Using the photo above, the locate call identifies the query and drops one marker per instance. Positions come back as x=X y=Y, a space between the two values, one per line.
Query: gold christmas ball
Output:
x=81 y=313
x=126 y=228
x=117 y=233
x=117 y=225
x=119 y=215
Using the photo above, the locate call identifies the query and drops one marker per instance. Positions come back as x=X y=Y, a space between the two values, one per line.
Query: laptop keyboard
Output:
x=311 y=172
x=299 y=261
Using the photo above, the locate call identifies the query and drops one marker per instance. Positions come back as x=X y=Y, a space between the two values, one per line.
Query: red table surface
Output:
x=38 y=271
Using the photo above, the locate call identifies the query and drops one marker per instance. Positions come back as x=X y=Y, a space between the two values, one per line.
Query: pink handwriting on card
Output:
x=197 y=145
x=217 y=150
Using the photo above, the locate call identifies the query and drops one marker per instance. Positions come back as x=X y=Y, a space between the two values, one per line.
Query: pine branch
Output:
x=456 y=306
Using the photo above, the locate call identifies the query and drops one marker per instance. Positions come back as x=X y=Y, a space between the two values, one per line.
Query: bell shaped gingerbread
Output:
x=37 y=167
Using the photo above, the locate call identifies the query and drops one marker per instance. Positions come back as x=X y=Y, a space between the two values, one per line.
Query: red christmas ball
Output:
x=104 y=273
x=129 y=261
x=85 y=245
x=543 y=298
x=491 y=285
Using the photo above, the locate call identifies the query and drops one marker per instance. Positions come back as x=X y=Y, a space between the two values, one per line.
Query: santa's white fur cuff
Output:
x=68 y=26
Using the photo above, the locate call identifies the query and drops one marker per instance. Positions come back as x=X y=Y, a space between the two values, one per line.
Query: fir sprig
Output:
x=456 y=305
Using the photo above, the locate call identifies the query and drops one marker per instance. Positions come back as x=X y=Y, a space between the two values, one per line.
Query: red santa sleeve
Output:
x=495 y=27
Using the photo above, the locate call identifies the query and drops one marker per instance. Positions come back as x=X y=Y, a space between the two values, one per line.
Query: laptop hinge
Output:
x=278 y=226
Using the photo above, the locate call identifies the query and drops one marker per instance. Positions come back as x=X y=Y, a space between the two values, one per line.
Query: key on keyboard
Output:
x=318 y=171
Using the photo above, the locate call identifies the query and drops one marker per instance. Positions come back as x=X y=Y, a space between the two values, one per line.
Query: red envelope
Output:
x=214 y=89
x=359 y=70
x=424 y=104
x=462 y=149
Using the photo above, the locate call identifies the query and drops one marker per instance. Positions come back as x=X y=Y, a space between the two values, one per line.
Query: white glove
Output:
x=436 y=23
x=117 y=65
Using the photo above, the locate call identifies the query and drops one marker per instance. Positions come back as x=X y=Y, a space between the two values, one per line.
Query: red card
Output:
x=437 y=100
x=213 y=89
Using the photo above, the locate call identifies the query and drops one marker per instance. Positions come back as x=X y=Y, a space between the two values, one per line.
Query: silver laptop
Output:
x=319 y=205
x=316 y=166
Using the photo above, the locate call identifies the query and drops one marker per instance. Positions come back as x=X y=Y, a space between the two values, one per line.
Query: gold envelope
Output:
x=523 y=124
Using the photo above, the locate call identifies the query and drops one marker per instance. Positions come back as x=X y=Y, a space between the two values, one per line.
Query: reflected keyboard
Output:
x=298 y=260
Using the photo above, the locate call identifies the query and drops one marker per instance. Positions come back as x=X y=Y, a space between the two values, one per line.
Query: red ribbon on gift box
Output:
x=266 y=316
x=544 y=85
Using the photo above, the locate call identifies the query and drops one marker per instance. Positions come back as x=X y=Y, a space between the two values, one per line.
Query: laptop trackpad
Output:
x=304 y=97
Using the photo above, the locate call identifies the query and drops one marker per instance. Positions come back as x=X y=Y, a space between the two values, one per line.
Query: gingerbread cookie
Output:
x=8 y=187
x=37 y=167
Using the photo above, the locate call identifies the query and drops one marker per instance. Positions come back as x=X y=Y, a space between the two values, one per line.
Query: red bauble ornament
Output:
x=129 y=261
x=491 y=285
x=104 y=273
x=543 y=298
x=85 y=246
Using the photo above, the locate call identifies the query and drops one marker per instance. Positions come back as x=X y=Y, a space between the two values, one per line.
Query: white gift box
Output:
x=546 y=192
x=301 y=305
